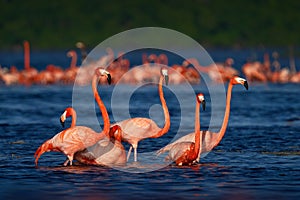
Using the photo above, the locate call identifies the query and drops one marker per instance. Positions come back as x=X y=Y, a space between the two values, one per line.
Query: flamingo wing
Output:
x=139 y=128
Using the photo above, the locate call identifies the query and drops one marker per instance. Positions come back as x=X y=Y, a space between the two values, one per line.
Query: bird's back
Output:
x=138 y=128
x=74 y=139
x=208 y=141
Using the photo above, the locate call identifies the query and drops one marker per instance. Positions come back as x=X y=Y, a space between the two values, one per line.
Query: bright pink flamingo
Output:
x=107 y=151
x=137 y=129
x=28 y=74
x=78 y=138
x=185 y=153
x=210 y=139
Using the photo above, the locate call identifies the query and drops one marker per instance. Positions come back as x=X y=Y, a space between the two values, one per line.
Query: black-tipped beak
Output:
x=246 y=85
x=166 y=79
x=203 y=104
x=62 y=123
x=109 y=79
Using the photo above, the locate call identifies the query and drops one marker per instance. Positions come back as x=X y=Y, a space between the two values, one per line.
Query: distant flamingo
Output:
x=137 y=129
x=71 y=72
x=28 y=74
x=107 y=151
x=78 y=138
x=185 y=153
x=210 y=139
x=81 y=46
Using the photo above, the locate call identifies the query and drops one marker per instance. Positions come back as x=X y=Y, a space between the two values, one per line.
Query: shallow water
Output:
x=259 y=157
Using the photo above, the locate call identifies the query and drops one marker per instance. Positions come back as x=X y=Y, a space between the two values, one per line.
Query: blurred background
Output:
x=213 y=23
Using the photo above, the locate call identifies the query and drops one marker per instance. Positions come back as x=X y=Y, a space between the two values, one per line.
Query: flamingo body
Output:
x=68 y=142
x=137 y=129
x=77 y=138
x=208 y=139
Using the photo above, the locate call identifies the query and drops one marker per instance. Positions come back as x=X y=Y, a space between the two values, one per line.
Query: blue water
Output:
x=258 y=158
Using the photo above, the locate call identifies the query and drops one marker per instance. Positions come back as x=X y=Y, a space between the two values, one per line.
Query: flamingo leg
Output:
x=135 y=154
x=129 y=152
x=66 y=162
x=70 y=159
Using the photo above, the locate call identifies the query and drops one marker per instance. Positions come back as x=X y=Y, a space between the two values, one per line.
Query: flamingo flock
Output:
x=125 y=73
x=106 y=149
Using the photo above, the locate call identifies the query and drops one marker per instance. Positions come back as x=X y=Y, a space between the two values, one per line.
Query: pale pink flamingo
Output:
x=210 y=139
x=137 y=129
x=78 y=138
x=11 y=76
x=107 y=151
x=185 y=153
x=254 y=72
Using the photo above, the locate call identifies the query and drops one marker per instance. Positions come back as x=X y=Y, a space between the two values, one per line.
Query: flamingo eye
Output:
x=240 y=80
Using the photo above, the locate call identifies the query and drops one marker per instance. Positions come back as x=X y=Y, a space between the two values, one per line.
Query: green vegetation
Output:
x=60 y=24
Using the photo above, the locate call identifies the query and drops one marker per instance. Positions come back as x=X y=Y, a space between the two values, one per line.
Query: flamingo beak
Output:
x=109 y=79
x=203 y=104
x=166 y=79
x=62 y=119
x=246 y=85
x=62 y=123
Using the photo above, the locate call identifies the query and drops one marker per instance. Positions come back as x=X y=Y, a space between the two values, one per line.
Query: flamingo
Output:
x=210 y=139
x=78 y=138
x=137 y=129
x=71 y=72
x=28 y=74
x=185 y=153
x=105 y=152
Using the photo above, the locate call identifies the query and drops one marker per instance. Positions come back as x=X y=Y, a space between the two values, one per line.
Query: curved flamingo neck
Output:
x=74 y=117
x=226 y=115
x=26 y=55
x=102 y=109
x=73 y=59
x=197 y=128
x=166 y=127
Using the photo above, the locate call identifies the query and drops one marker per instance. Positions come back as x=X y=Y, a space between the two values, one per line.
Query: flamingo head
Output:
x=164 y=72
x=80 y=45
x=67 y=113
x=238 y=80
x=71 y=53
x=102 y=72
x=115 y=132
x=201 y=100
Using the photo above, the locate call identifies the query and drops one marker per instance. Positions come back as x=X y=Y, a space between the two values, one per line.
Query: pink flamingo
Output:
x=137 y=129
x=105 y=152
x=29 y=73
x=71 y=72
x=185 y=153
x=210 y=139
x=78 y=138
